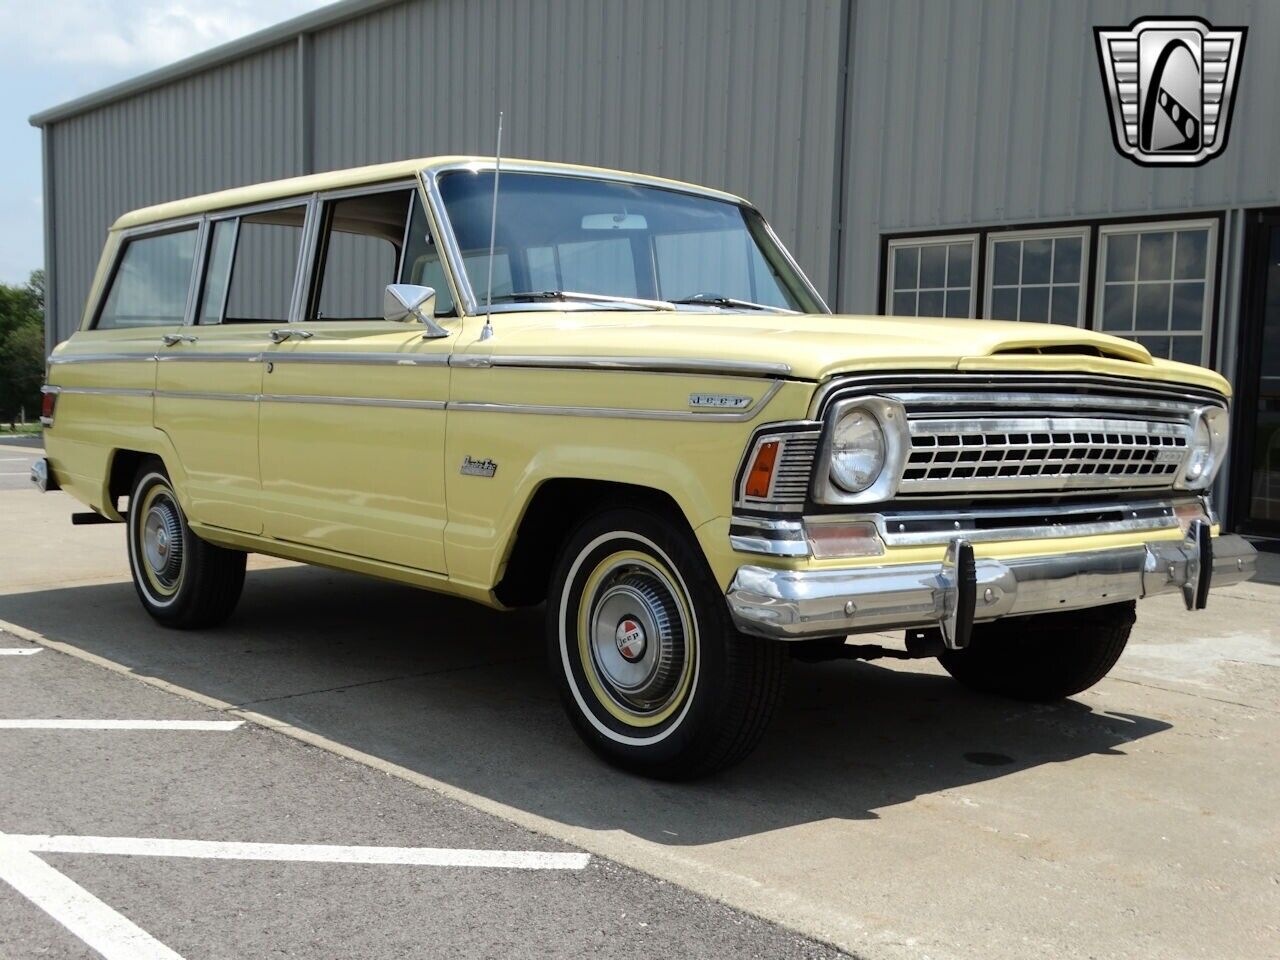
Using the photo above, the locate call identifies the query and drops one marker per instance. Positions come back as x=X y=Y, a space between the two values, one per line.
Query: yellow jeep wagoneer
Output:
x=621 y=397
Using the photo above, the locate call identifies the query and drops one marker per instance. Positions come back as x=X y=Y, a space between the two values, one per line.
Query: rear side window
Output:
x=150 y=285
x=253 y=261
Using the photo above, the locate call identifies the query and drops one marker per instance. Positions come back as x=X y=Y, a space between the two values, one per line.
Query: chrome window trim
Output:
x=469 y=302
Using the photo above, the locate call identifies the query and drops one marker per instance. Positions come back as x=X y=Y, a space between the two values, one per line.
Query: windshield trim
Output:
x=469 y=304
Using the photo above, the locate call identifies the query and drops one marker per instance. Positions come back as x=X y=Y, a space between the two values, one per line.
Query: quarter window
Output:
x=933 y=278
x=1037 y=277
x=151 y=283
x=1156 y=289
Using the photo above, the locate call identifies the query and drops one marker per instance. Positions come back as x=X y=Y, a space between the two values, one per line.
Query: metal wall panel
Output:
x=735 y=94
x=976 y=112
x=230 y=125
x=738 y=94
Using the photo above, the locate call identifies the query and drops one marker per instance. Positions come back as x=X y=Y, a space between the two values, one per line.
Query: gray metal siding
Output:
x=228 y=126
x=735 y=94
x=992 y=111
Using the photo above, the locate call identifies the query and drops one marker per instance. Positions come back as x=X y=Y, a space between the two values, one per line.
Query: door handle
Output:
x=280 y=336
x=172 y=339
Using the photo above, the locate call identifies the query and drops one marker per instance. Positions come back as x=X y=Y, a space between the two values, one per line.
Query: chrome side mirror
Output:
x=410 y=303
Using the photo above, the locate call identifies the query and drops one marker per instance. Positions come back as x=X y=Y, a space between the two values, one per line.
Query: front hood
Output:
x=816 y=347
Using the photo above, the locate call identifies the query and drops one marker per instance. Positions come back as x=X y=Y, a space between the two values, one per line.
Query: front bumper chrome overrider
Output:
x=952 y=594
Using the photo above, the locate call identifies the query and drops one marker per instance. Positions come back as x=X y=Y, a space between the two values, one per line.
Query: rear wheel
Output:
x=650 y=669
x=181 y=580
x=1044 y=657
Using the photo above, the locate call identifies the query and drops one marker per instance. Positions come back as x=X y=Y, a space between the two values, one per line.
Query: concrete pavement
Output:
x=888 y=811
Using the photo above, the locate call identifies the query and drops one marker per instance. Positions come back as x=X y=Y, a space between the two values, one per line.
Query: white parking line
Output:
x=303 y=852
x=60 y=724
x=106 y=931
x=19 y=651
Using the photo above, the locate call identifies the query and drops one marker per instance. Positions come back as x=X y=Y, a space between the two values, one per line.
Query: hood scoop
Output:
x=1130 y=353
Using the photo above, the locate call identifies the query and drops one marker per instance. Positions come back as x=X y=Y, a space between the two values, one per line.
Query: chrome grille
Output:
x=1026 y=453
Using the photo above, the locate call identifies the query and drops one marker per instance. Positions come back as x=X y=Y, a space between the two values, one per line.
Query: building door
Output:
x=1256 y=470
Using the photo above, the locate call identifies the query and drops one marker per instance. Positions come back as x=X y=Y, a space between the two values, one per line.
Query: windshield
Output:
x=558 y=235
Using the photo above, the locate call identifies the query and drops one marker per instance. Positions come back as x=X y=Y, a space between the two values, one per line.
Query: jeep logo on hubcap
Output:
x=630 y=637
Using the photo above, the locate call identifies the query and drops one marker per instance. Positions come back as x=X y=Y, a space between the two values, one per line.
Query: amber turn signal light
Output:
x=761 y=473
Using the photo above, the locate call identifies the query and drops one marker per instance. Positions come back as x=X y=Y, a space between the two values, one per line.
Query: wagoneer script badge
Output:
x=719 y=400
x=472 y=467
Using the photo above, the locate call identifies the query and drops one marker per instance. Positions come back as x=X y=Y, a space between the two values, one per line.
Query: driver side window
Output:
x=367 y=242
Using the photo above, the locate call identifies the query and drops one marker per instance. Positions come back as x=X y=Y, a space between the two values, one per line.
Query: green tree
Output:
x=21 y=347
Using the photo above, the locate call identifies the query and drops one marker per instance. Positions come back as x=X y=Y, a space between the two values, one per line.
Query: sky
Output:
x=52 y=51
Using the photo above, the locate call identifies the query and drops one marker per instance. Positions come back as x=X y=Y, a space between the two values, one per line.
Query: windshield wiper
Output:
x=729 y=303
x=536 y=295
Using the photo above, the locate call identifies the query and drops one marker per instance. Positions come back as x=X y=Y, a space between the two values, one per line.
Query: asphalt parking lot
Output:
x=888 y=812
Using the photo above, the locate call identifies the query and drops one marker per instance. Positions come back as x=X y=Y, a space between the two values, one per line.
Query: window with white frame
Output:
x=1155 y=286
x=931 y=277
x=1037 y=276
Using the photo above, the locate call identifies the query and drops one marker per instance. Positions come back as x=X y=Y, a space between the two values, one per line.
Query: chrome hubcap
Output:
x=162 y=541
x=637 y=638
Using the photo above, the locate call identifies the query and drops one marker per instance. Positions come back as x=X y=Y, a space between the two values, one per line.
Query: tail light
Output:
x=48 y=403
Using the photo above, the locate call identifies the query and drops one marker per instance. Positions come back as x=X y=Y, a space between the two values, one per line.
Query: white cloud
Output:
x=135 y=35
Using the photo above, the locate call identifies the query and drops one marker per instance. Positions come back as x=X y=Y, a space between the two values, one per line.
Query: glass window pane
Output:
x=1153 y=307
x=150 y=285
x=601 y=266
x=1187 y=349
x=1035 y=304
x=1007 y=255
x=1122 y=256
x=930 y=303
x=421 y=261
x=1036 y=255
x=1066 y=259
x=960 y=265
x=904 y=303
x=214 y=296
x=1066 y=300
x=1117 y=307
x=361 y=254
x=265 y=263
x=542 y=268
x=933 y=266
x=958 y=302
x=1188 y=306
x=702 y=261
x=1155 y=256
x=1158 y=346
x=1004 y=303
x=905 y=265
x=1193 y=248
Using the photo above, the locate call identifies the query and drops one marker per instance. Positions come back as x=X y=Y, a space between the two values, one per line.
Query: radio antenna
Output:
x=487 y=331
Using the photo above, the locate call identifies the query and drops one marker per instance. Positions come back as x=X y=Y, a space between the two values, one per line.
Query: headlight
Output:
x=857 y=450
x=1207 y=449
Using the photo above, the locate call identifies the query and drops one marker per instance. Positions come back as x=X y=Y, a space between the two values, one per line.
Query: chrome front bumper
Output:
x=799 y=604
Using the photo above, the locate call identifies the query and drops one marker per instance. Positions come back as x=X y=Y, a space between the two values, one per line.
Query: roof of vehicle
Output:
x=399 y=170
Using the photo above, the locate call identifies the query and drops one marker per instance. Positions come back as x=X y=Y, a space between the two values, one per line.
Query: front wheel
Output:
x=650 y=669
x=181 y=580
x=1044 y=657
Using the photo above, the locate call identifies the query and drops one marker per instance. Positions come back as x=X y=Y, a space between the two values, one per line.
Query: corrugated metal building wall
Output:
x=739 y=94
